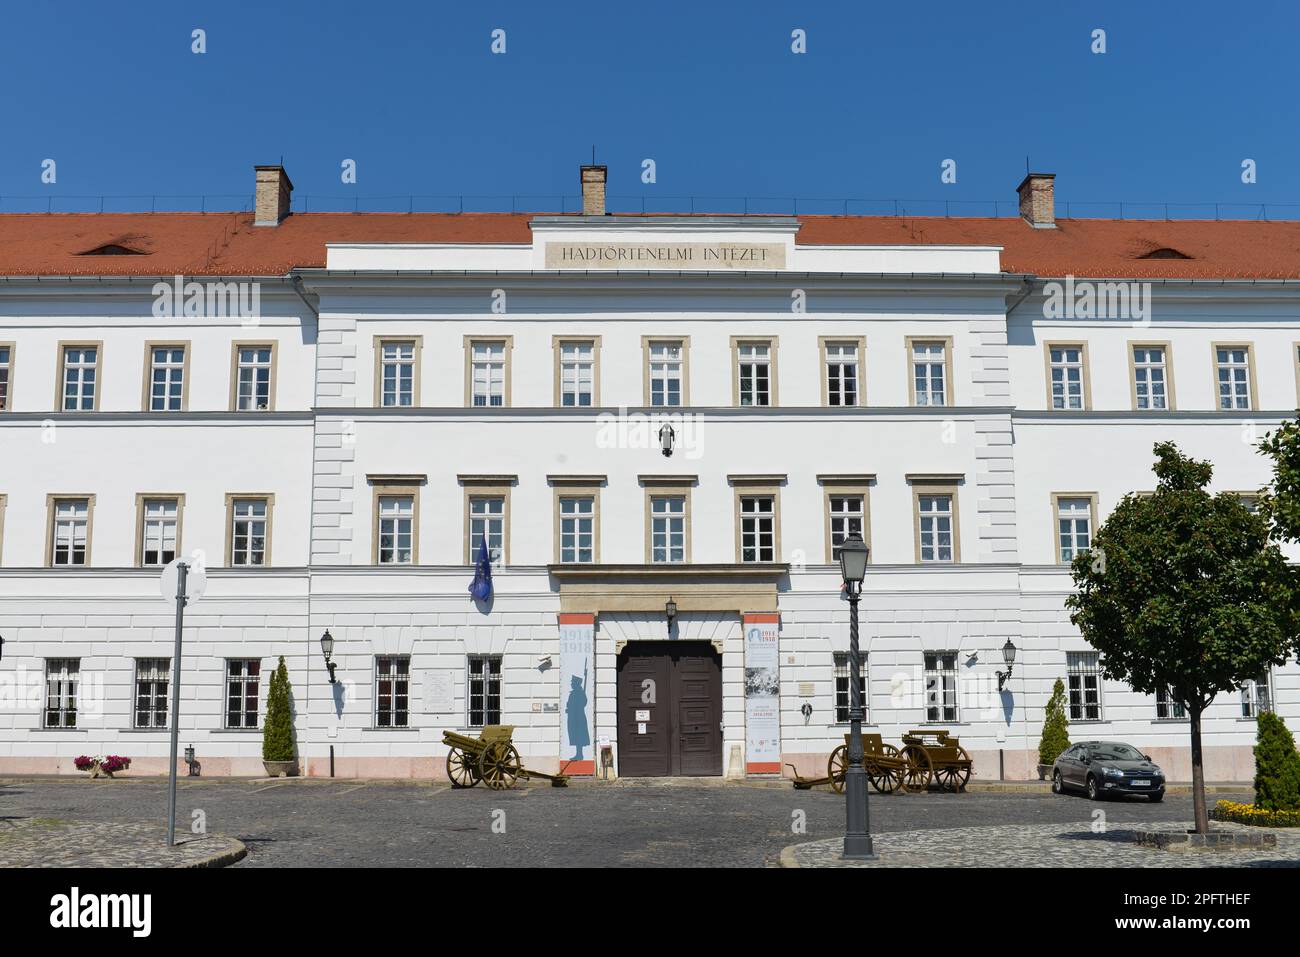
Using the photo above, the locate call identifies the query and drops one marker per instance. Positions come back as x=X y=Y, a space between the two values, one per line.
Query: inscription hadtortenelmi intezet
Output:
x=665 y=255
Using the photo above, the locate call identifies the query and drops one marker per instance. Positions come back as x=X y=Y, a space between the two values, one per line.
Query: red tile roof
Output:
x=229 y=243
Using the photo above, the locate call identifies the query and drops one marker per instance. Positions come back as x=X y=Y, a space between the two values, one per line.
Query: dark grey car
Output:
x=1104 y=768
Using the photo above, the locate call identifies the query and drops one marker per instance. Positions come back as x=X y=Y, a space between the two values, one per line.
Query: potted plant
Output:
x=102 y=766
x=278 y=755
x=1056 y=734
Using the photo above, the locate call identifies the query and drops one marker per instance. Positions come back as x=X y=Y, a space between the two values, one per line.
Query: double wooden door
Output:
x=669 y=709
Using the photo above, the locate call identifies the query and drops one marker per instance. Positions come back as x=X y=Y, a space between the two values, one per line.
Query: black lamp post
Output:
x=857 y=833
x=1009 y=656
x=2 y=647
x=327 y=647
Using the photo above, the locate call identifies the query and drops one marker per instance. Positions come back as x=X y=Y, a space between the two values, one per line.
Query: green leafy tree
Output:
x=1277 y=766
x=277 y=731
x=1056 y=726
x=1184 y=591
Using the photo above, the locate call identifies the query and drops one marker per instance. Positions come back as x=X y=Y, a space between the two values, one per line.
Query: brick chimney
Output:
x=274 y=190
x=1038 y=200
x=593 y=190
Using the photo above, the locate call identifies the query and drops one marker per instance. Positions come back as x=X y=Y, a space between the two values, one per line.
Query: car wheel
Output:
x=1058 y=785
x=1093 y=793
x=1157 y=797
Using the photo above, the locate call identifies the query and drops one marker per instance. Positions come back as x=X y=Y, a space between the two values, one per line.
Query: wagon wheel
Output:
x=961 y=775
x=918 y=771
x=888 y=772
x=499 y=765
x=836 y=767
x=462 y=769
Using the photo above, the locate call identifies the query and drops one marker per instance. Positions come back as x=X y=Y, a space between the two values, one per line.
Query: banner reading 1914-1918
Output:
x=577 y=644
x=762 y=695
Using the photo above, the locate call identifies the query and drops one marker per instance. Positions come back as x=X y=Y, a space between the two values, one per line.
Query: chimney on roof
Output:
x=593 y=190
x=1038 y=200
x=274 y=190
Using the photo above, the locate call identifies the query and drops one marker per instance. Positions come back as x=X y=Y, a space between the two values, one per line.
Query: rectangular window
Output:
x=1232 y=368
x=397 y=374
x=392 y=691
x=841 y=373
x=487 y=516
x=70 y=532
x=166 y=378
x=577 y=374
x=62 y=676
x=159 y=524
x=847 y=517
x=1073 y=527
x=152 y=679
x=253 y=368
x=243 y=678
x=1256 y=697
x=843 y=685
x=250 y=523
x=488 y=370
x=484 y=698
x=1083 y=672
x=1065 y=367
x=667 y=529
x=1169 y=708
x=757 y=528
x=754 y=373
x=1150 y=377
x=80 y=372
x=6 y=374
x=941 y=686
x=935 y=527
x=929 y=373
x=396 y=529
x=577 y=529
x=666 y=365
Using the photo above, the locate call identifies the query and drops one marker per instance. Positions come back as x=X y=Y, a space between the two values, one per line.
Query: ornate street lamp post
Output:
x=857 y=834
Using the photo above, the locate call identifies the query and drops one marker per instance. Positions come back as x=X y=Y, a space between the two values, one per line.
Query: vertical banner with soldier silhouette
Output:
x=577 y=682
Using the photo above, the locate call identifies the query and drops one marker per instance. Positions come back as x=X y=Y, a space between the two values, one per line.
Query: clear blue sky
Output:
x=709 y=89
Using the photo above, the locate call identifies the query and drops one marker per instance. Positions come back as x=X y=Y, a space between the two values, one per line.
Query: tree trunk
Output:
x=1198 y=774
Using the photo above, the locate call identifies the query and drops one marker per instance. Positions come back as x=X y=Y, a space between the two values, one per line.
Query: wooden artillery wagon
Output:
x=490 y=758
x=927 y=756
x=938 y=757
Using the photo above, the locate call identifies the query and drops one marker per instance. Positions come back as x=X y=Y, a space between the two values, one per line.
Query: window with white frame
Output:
x=929 y=372
x=757 y=528
x=1066 y=367
x=243 y=678
x=1232 y=366
x=396 y=529
x=844 y=684
x=71 y=531
x=935 y=527
x=487 y=516
x=159 y=520
x=667 y=529
x=62 y=676
x=397 y=374
x=941 y=686
x=1073 y=527
x=754 y=369
x=166 y=378
x=842 y=373
x=848 y=517
x=1083 y=674
x=1256 y=697
x=1150 y=377
x=577 y=373
x=483 y=701
x=577 y=529
x=6 y=372
x=488 y=362
x=666 y=373
x=253 y=379
x=152 y=677
x=80 y=369
x=249 y=520
x=392 y=691
x=1169 y=708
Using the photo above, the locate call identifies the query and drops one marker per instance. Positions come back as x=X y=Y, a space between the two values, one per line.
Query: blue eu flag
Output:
x=481 y=586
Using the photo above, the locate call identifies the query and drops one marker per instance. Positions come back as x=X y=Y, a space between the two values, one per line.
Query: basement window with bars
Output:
x=392 y=691
x=62 y=677
x=152 y=680
x=1256 y=697
x=843 y=685
x=941 y=686
x=1083 y=671
x=1169 y=708
x=484 y=684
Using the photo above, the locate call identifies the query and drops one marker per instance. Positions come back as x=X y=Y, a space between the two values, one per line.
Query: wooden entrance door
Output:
x=669 y=709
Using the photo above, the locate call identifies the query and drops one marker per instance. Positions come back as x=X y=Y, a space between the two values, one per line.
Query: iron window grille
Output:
x=484 y=698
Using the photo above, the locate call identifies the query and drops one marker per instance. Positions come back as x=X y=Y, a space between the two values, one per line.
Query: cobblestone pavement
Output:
x=44 y=842
x=1039 y=845
x=339 y=823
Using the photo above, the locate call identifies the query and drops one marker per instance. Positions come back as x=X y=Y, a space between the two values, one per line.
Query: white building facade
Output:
x=333 y=440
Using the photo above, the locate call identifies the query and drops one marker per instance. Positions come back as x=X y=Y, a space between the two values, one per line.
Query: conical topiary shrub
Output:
x=277 y=730
x=1056 y=727
x=1277 y=766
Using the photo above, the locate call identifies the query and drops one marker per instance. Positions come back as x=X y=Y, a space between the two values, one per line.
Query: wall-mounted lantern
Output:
x=1009 y=656
x=667 y=439
x=327 y=648
x=670 y=612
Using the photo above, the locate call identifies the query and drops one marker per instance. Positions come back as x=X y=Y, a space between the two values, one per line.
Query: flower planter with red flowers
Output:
x=102 y=767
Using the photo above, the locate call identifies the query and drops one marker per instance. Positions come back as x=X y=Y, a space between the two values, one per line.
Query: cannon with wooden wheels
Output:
x=946 y=762
x=885 y=765
x=491 y=758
